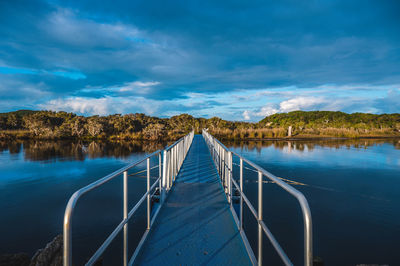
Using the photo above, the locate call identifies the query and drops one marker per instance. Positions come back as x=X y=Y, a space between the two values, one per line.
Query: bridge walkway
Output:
x=195 y=225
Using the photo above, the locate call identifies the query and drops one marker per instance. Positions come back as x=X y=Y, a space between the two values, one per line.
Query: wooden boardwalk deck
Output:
x=195 y=226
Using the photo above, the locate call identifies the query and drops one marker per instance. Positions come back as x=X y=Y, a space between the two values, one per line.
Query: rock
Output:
x=19 y=259
x=318 y=261
x=51 y=255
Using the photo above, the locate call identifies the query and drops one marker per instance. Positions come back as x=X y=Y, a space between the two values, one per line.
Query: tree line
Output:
x=62 y=125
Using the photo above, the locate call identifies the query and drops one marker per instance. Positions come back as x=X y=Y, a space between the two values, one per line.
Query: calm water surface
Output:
x=38 y=178
x=352 y=188
x=353 y=191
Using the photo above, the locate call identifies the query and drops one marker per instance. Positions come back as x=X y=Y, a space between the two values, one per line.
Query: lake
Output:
x=352 y=187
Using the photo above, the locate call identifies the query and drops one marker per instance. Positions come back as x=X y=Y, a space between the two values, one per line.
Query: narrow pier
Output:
x=195 y=225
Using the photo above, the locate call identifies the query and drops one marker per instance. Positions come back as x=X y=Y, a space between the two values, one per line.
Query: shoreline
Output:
x=117 y=139
x=314 y=138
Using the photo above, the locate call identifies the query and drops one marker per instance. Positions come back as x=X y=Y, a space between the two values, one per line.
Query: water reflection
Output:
x=77 y=150
x=310 y=145
x=35 y=150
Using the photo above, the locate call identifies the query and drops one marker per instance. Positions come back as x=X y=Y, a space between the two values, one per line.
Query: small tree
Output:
x=154 y=131
x=95 y=126
x=13 y=121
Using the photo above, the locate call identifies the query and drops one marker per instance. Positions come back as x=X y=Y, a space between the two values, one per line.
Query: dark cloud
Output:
x=198 y=46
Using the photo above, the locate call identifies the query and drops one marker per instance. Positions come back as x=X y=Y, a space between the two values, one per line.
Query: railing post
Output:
x=230 y=176
x=164 y=177
x=260 y=217
x=172 y=156
x=176 y=160
x=218 y=161
x=67 y=241
x=173 y=164
x=148 y=195
x=221 y=166
x=171 y=160
x=125 y=211
x=308 y=248
x=241 y=194
x=225 y=172
x=159 y=174
x=171 y=177
x=178 y=157
x=181 y=154
x=215 y=157
x=170 y=168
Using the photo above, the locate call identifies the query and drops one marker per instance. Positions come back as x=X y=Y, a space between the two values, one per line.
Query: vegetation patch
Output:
x=25 y=124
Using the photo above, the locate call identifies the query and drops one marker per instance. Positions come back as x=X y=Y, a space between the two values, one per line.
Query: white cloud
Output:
x=138 y=87
x=246 y=115
x=294 y=104
x=301 y=103
x=267 y=110
x=104 y=105
x=80 y=105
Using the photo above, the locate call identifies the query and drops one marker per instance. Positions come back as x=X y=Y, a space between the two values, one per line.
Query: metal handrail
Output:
x=169 y=167
x=222 y=157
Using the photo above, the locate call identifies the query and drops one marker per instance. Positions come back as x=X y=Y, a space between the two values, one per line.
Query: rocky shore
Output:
x=51 y=255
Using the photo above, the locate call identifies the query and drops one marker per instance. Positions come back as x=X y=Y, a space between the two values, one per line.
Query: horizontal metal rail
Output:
x=118 y=229
x=222 y=157
x=169 y=163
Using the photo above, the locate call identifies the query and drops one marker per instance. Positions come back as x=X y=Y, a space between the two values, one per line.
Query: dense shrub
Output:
x=52 y=125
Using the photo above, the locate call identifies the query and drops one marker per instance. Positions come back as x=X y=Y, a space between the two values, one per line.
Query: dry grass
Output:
x=271 y=133
x=14 y=134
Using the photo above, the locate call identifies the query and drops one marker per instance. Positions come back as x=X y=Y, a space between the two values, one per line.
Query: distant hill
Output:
x=323 y=119
x=297 y=124
x=19 y=113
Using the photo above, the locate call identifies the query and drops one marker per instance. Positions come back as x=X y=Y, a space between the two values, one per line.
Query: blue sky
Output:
x=239 y=60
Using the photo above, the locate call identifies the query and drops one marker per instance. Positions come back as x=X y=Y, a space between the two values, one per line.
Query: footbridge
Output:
x=190 y=218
